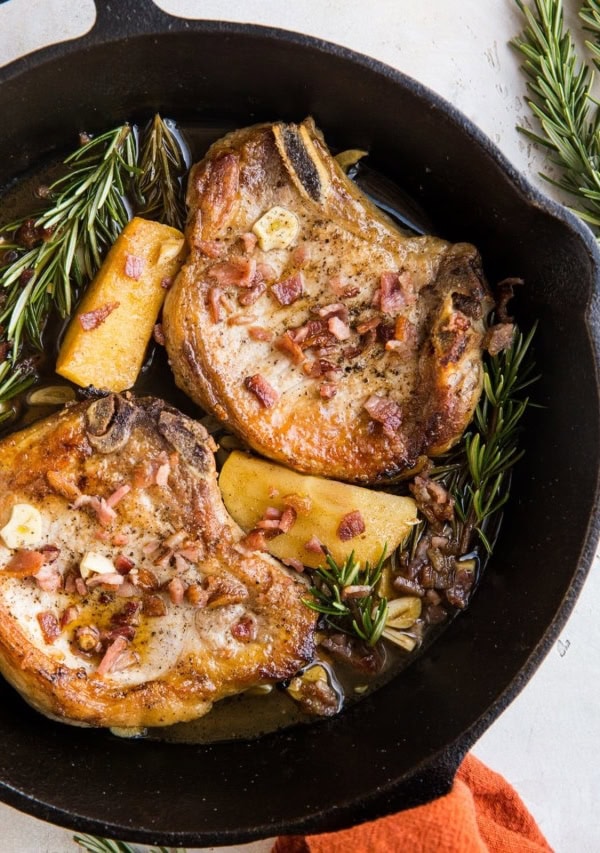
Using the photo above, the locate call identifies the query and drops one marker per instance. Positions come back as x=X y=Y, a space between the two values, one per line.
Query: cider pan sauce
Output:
x=258 y=711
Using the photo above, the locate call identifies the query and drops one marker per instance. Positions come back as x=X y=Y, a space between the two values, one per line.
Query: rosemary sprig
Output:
x=87 y=214
x=559 y=88
x=162 y=164
x=478 y=472
x=105 y=845
x=364 y=615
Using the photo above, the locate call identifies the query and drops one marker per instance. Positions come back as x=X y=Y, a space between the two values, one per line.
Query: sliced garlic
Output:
x=24 y=528
x=349 y=158
x=312 y=674
x=169 y=249
x=405 y=641
x=51 y=395
x=94 y=563
x=276 y=229
x=403 y=612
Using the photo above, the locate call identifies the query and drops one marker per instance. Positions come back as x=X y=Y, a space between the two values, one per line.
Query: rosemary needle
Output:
x=162 y=165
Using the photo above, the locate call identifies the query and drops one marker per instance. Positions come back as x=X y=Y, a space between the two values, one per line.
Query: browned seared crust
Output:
x=191 y=656
x=430 y=372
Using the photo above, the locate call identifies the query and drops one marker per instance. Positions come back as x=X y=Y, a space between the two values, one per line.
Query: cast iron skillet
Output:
x=401 y=746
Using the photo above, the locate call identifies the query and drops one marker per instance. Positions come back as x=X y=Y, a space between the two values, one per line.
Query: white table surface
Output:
x=548 y=742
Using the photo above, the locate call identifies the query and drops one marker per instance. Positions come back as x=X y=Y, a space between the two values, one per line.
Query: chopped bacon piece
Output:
x=242 y=319
x=92 y=319
x=249 y=241
x=239 y=272
x=123 y=564
x=151 y=547
x=254 y=541
x=301 y=255
x=108 y=579
x=351 y=525
x=134 y=266
x=386 y=412
x=49 y=626
x=433 y=500
x=154 y=606
x=118 y=495
x=126 y=590
x=104 y=512
x=289 y=290
x=69 y=615
x=499 y=337
x=215 y=304
x=145 y=579
x=302 y=504
x=24 y=564
x=336 y=309
x=166 y=282
x=266 y=395
x=252 y=294
x=327 y=390
x=181 y=564
x=175 y=539
x=338 y=283
x=193 y=551
x=80 y=586
x=158 y=334
x=50 y=552
x=176 y=590
x=120 y=539
x=294 y=564
x=266 y=272
x=210 y=248
x=111 y=656
x=260 y=334
x=288 y=345
x=63 y=485
x=49 y=578
x=314 y=546
x=161 y=477
x=196 y=596
x=355 y=591
x=288 y=519
x=268 y=524
x=338 y=328
x=368 y=325
x=395 y=291
x=245 y=629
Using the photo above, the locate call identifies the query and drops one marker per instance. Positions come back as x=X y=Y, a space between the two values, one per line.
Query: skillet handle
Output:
x=124 y=17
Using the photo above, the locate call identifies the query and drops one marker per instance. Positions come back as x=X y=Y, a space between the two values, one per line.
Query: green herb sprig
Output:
x=104 y=845
x=559 y=87
x=364 y=616
x=478 y=473
x=162 y=164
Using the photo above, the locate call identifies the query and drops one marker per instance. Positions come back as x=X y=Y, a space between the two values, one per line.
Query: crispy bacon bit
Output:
x=49 y=578
x=314 y=546
x=181 y=564
x=252 y=294
x=245 y=629
x=118 y=495
x=196 y=596
x=327 y=390
x=364 y=658
x=69 y=615
x=87 y=638
x=161 y=477
x=24 y=564
x=293 y=563
x=145 y=579
x=175 y=539
x=338 y=283
x=394 y=291
x=386 y=412
x=104 y=512
x=289 y=290
x=266 y=395
x=151 y=547
x=336 y=309
x=266 y=272
x=254 y=541
x=166 y=282
x=238 y=272
x=126 y=590
x=80 y=586
x=50 y=552
x=351 y=525
x=158 y=334
x=49 y=626
x=368 y=325
x=288 y=345
x=120 y=539
x=176 y=589
x=92 y=319
x=63 y=485
x=338 y=328
x=242 y=319
x=355 y=591
x=154 y=606
x=215 y=304
x=433 y=500
x=260 y=334
x=288 y=519
x=129 y=615
x=70 y=587
x=249 y=241
x=301 y=255
x=111 y=656
x=134 y=266
x=108 y=579
x=193 y=551
x=123 y=564
x=210 y=248
x=302 y=504
x=499 y=337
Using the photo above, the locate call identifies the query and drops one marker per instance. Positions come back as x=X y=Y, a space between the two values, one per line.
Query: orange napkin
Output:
x=481 y=814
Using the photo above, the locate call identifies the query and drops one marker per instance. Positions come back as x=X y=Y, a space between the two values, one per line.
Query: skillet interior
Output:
x=400 y=746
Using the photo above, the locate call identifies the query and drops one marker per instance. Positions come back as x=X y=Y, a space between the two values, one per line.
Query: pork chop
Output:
x=125 y=596
x=309 y=324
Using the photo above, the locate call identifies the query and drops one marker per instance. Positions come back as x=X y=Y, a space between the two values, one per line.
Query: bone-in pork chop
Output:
x=309 y=324
x=125 y=596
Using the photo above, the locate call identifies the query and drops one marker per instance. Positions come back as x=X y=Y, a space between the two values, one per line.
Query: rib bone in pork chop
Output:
x=125 y=598
x=309 y=324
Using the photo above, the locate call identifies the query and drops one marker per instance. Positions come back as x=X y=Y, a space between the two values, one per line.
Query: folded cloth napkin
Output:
x=481 y=814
